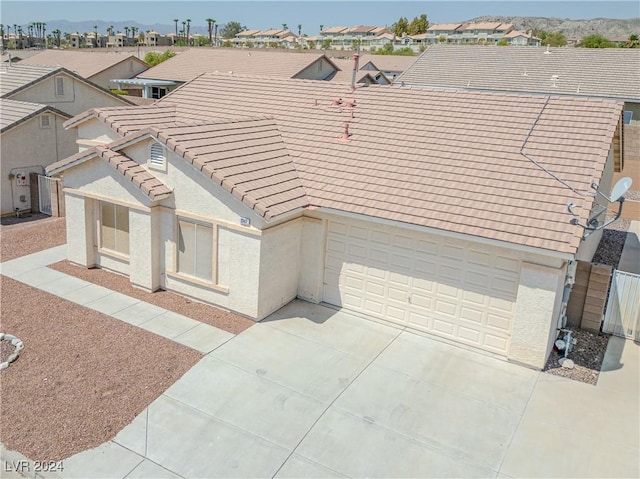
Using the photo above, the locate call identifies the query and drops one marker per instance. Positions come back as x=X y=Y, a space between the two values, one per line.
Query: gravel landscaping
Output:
x=165 y=299
x=23 y=236
x=587 y=355
x=81 y=377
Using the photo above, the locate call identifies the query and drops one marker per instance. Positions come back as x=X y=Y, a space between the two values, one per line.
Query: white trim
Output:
x=93 y=196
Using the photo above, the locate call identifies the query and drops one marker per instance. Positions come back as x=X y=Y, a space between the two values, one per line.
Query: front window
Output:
x=195 y=249
x=114 y=228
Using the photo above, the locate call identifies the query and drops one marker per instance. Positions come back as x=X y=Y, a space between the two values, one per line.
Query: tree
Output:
x=176 y=20
x=285 y=27
x=210 y=22
x=188 y=29
x=154 y=58
x=326 y=44
x=299 y=29
x=595 y=41
x=418 y=25
x=633 y=42
x=321 y=27
x=503 y=42
x=400 y=26
x=553 y=39
x=231 y=29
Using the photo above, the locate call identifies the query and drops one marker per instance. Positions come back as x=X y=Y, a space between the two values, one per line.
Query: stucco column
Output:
x=311 y=260
x=80 y=230
x=535 y=322
x=144 y=248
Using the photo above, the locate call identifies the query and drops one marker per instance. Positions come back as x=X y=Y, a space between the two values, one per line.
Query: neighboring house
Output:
x=432 y=209
x=32 y=137
x=582 y=72
x=364 y=77
x=391 y=66
x=168 y=75
x=98 y=67
x=519 y=39
x=54 y=86
x=485 y=33
x=349 y=38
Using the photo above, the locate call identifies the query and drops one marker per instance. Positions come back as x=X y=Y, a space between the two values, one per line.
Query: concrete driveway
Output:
x=313 y=392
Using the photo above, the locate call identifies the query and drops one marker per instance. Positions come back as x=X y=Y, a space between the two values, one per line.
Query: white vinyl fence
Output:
x=44 y=194
x=622 y=317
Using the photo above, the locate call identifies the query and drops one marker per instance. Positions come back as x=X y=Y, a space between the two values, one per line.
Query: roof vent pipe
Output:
x=356 y=57
x=345 y=136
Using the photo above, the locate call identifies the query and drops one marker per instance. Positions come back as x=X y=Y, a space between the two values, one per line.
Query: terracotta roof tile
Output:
x=436 y=158
x=84 y=63
x=604 y=72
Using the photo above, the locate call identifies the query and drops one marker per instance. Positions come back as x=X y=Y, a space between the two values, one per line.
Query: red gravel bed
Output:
x=81 y=377
x=25 y=237
x=205 y=313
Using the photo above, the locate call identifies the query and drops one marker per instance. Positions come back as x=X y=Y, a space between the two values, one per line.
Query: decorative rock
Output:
x=18 y=346
x=567 y=364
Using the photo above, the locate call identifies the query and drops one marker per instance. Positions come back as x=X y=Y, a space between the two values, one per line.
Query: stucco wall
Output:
x=80 y=230
x=77 y=97
x=535 y=323
x=94 y=130
x=279 y=266
x=589 y=245
x=318 y=70
x=312 y=253
x=126 y=69
x=30 y=145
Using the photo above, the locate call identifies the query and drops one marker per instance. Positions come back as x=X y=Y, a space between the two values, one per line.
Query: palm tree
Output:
x=175 y=20
x=285 y=27
x=184 y=29
x=126 y=32
x=215 y=34
x=634 y=41
x=56 y=34
x=321 y=27
x=210 y=22
x=299 y=29
x=110 y=30
x=188 y=29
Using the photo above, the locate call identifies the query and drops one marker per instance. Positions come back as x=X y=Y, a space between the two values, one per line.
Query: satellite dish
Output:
x=620 y=188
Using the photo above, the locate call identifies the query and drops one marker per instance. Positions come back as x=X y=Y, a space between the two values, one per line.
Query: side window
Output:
x=114 y=228
x=195 y=249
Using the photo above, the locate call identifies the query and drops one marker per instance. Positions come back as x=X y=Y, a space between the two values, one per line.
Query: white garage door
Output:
x=454 y=289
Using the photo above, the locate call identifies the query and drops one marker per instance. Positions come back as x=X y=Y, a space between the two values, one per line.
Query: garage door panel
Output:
x=441 y=286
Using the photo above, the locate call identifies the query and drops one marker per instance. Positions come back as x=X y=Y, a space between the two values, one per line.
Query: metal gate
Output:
x=622 y=317
x=44 y=194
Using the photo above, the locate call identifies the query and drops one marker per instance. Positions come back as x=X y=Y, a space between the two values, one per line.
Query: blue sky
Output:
x=268 y=14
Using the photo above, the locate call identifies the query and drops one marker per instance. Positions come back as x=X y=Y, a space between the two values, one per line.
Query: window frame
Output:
x=211 y=283
x=102 y=249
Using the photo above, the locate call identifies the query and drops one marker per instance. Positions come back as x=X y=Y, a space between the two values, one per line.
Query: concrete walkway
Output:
x=630 y=257
x=32 y=270
x=314 y=392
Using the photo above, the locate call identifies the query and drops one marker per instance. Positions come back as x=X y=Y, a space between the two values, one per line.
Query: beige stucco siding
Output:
x=279 y=266
x=318 y=70
x=77 y=96
x=92 y=131
x=30 y=145
x=126 y=69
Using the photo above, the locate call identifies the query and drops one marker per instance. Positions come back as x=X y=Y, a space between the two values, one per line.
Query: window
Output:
x=157 y=92
x=114 y=228
x=195 y=249
x=45 y=121
x=59 y=86
x=628 y=116
x=157 y=159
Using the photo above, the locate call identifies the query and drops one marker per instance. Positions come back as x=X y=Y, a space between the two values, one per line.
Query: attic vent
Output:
x=156 y=157
x=59 y=86
x=45 y=121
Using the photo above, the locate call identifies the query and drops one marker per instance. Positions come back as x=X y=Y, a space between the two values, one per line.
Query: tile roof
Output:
x=606 y=72
x=362 y=29
x=84 y=63
x=388 y=63
x=445 y=26
x=335 y=30
x=482 y=26
x=450 y=160
x=247 y=33
x=12 y=112
x=17 y=76
x=188 y=64
x=153 y=188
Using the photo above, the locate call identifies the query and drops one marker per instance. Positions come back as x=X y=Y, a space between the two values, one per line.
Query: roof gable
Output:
x=86 y=64
x=15 y=113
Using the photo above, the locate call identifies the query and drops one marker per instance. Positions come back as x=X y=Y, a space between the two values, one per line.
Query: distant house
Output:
x=349 y=38
x=519 y=39
x=32 y=137
x=97 y=66
x=168 y=75
x=430 y=209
